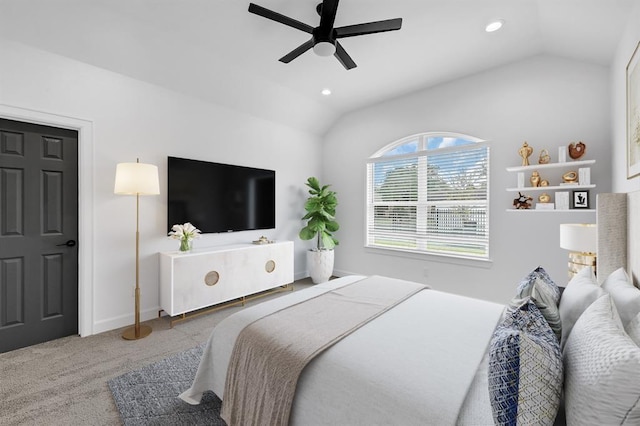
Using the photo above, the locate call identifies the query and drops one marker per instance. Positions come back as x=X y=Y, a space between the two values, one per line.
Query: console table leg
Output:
x=241 y=300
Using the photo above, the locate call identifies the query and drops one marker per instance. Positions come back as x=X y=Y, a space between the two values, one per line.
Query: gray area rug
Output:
x=149 y=396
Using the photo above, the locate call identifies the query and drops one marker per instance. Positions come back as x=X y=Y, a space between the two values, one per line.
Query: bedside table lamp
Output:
x=580 y=239
x=137 y=179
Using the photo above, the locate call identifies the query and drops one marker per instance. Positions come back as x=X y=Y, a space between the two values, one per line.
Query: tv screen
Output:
x=218 y=197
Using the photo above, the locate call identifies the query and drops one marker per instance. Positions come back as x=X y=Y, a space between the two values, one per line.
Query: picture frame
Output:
x=633 y=114
x=580 y=199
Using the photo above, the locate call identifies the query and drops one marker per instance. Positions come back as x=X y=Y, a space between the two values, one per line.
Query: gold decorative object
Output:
x=270 y=266
x=523 y=202
x=544 y=157
x=570 y=177
x=544 y=198
x=544 y=182
x=525 y=152
x=211 y=278
x=535 y=179
x=577 y=150
x=262 y=240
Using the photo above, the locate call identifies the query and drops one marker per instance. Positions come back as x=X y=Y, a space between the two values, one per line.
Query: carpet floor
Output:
x=64 y=382
x=149 y=396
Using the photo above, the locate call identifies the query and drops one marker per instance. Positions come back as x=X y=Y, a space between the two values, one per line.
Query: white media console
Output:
x=206 y=277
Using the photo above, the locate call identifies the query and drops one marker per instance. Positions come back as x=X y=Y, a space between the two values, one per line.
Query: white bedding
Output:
x=423 y=362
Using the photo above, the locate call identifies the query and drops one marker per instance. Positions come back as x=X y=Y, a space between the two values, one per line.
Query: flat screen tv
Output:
x=218 y=197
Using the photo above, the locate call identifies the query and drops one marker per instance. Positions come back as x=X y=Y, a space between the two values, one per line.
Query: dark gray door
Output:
x=38 y=234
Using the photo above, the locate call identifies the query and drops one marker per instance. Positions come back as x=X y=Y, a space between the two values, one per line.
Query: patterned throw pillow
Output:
x=525 y=368
x=602 y=369
x=545 y=293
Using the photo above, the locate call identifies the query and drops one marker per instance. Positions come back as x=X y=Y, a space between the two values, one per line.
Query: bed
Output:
x=424 y=359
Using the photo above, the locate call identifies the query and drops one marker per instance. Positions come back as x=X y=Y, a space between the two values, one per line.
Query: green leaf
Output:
x=328 y=241
x=313 y=183
x=332 y=226
x=313 y=205
x=306 y=233
x=317 y=225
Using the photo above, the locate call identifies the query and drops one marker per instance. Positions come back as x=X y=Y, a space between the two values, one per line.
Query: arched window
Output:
x=429 y=193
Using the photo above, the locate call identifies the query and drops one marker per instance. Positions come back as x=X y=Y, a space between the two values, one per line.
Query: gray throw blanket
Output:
x=270 y=353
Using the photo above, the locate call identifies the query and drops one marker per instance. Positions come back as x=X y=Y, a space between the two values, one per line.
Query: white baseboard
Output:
x=343 y=273
x=123 y=321
x=300 y=275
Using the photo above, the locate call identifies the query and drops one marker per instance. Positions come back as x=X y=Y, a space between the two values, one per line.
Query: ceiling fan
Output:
x=324 y=37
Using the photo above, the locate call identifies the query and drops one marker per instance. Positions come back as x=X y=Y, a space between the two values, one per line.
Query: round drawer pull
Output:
x=211 y=278
x=270 y=266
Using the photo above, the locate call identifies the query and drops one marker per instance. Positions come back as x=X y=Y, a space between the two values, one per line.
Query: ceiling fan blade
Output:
x=297 y=52
x=327 y=16
x=369 y=28
x=275 y=16
x=344 y=57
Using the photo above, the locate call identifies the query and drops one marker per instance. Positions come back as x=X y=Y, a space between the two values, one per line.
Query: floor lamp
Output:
x=137 y=179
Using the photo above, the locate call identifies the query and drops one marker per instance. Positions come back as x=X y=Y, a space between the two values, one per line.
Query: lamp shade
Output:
x=578 y=237
x=136 y=179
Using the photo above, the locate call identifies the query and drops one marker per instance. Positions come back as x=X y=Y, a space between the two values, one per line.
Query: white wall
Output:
x=628 y=43
x=132 y=119
x=544 y=100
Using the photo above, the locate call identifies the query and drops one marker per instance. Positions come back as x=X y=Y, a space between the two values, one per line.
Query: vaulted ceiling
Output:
x=217 y=51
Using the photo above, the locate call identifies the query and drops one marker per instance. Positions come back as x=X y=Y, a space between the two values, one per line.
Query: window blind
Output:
x=430 y=201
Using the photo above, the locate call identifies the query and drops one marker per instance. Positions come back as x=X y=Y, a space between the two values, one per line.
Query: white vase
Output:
x=320 y=265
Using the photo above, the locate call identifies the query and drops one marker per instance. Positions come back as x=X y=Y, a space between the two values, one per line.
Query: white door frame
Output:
x=85 y=201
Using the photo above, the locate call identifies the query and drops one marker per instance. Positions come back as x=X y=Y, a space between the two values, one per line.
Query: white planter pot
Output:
x=320 y=265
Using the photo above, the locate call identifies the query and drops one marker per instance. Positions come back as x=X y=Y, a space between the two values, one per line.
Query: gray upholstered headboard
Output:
x=618 y=218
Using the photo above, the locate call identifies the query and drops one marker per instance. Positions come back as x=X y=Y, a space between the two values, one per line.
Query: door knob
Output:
x=69 y=243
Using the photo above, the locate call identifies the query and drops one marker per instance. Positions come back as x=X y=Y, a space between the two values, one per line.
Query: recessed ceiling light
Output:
x=326 y=92
x=494 y=25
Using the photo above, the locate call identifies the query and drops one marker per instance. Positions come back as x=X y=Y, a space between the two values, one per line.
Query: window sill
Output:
x=441 y=258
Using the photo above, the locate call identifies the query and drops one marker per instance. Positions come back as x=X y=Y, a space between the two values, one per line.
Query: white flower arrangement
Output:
x=185 y=233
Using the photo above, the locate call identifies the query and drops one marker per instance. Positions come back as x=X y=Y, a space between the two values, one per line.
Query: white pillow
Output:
x=625 y=296
x=582 y=291
x=633 y=329
x=602 y=369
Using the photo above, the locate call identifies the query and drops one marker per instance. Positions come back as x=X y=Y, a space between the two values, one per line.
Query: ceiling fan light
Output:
x=324 y=48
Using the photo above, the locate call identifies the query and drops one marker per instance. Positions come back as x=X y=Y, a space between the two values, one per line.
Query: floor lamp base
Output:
x=130 y=333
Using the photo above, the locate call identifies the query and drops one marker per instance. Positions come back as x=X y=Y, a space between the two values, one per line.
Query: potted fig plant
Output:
x=321 y=223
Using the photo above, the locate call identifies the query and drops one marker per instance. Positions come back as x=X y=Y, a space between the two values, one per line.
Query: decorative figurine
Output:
x=544 y=198
x=525 y=152
x=544 y=157
x=544 y=182
x=570 y=177
x=535 y=179
x=577 y=150
x=522 y=202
